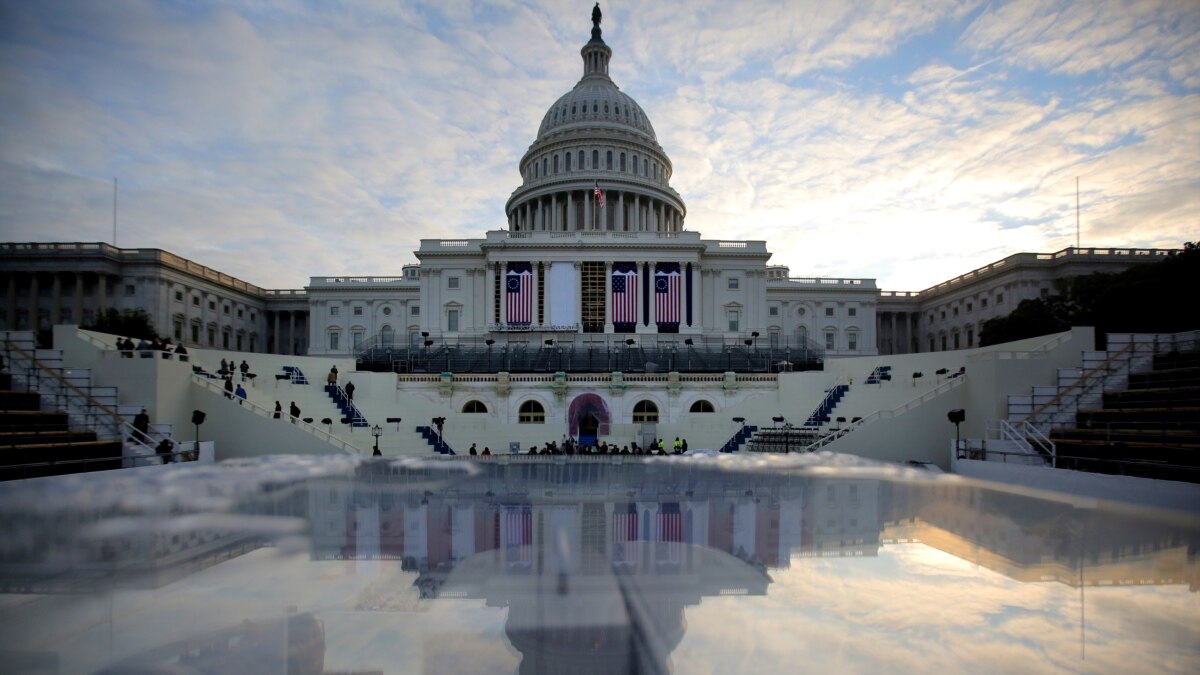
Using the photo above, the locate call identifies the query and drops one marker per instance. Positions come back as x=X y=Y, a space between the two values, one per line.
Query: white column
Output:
x=55 y=298
x=554 y=225
x=570 y=224
x=587 y=211
x=653 y=301
x=291 y=348
x=76 y=300
x=621 y=212
x=33 y=302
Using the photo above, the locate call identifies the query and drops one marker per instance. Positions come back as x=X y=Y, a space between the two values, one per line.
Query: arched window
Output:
x=536 y=170
x=608 y=163
x=545 y=166
x=635 y=165
x=474 y=406
x=645 y=411
x=572 y=108
x=606 y=107
x=702 y=406
x=531 y=412
x=646 y=168
x=581 y=160
x=622 y=161
x=386 y=336
x=556 y=164
x=595 y=159
x=567 y=162
x=595 y=107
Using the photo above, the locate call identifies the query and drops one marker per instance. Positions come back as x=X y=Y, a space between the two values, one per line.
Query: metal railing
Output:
x=269 y=413
x=888 y=414
x=126 y=462
x=79 y=405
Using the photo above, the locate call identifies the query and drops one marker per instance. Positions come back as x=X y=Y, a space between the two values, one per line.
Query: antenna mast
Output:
x=1076 y=211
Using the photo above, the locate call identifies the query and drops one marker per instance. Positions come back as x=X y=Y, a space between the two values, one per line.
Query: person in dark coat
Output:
x=486 y=450
x=349 y=390
x=229 y=387
x=166 y=451
x=278 y=410
x=472 y=451
x=141 y=427
x=294 y=411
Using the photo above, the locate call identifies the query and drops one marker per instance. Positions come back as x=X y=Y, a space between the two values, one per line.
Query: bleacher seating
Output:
x=31 y=436
x=785 y=439
x=1151 y=429
x=735 y=443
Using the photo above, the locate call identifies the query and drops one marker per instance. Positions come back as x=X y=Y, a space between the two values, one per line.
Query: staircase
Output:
x=294 y=374
x=346 y=406
x=880 y=374
x=735 y=443
x=821 y=414
x=440 y=446
x=1149 y=429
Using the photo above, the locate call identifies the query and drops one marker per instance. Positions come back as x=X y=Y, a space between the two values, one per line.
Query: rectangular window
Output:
x=852 y=311
x=356 y=338
x=333 y=310
x=734 y=317
x=955 y=311
x=196 y=300
x=253 y=316
x=357 y=310
x=983 y=302
x=212 y=336
x=773 y=338
x=225 y=340
x=196 y=333
x=333 y=340
x=179 y=296
x=452 y=321
x=828 y=311
x=212 y=305
x=452 y=282
x=240 y=312
x=970 y=337
x=829 y=340
x=239 y=343
x=178 y=330
x=999 y=298
x=773 y=311
x=969 y=306
x=415 y=310
x=733 y=283
x=130 y=289
x=943 y=314
x=852 y=342
x=226 y=309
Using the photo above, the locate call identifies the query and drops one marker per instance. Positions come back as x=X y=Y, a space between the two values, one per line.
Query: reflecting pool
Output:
x=305 y=565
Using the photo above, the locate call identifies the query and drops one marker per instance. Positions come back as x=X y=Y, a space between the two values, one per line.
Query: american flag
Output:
x=599 y=194
x=625 y=536
x=670 y=531
x=520 y=293
x=624 y=293
x=518 y=535
x=666 y=294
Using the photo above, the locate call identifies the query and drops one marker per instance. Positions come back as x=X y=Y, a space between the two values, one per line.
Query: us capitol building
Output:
x=595 y=250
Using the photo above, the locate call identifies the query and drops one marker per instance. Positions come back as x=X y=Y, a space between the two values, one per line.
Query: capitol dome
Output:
x=595 y=137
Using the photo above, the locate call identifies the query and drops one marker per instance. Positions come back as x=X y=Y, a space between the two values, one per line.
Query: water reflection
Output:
x=549 y=567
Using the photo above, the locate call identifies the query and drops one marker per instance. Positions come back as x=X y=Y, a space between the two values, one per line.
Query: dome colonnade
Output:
x=595 y=136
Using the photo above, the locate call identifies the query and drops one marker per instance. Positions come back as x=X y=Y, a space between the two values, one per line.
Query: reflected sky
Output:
x=313 y=566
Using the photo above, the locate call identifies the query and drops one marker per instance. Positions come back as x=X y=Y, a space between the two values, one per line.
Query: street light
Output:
x=377 y=431
x=957 y=417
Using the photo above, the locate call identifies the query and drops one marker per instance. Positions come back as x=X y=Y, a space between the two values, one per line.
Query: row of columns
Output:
x=97 y=284
x=608 y=322
x=290 y=347
x=637 y=213
x=897 y=332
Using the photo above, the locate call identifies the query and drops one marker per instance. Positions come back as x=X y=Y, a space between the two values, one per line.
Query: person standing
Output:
x=332 y=377
x=141 y=427
x=278 y=410
x=472 y=451
x=349 y=390
x=294 y=411
x=240 y=393
x=229 y=386
x=245 y=368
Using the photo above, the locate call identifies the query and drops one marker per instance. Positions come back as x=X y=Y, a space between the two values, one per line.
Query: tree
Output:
x=133 y=323
x=1142 y=299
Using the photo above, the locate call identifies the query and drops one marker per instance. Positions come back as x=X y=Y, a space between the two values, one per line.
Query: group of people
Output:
x=332 y=379
x=165 y=448
x=228 y=369
x=569 y=446
x=293 y=411
x=146 y=348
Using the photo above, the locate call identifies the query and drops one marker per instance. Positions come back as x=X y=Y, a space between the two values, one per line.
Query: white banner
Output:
x=561 y=294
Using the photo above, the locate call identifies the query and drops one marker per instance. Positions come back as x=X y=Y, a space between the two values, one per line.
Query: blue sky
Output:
x=908 y=142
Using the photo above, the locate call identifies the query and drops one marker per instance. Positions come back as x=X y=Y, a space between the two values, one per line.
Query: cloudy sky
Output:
x=903 y=141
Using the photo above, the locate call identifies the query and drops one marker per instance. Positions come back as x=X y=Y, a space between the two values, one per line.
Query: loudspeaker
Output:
x=198 y=417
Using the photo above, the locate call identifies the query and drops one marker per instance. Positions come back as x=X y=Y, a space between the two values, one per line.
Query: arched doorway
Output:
x=588 y=413
x=589 y=427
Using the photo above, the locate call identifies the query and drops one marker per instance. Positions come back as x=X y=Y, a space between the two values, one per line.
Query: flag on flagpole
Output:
x=599 y=194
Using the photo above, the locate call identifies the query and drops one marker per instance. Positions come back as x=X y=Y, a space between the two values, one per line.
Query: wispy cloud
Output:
x=908 y=142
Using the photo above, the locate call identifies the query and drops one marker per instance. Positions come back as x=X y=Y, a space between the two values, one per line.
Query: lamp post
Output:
x=377 y=431
x=957 y=417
